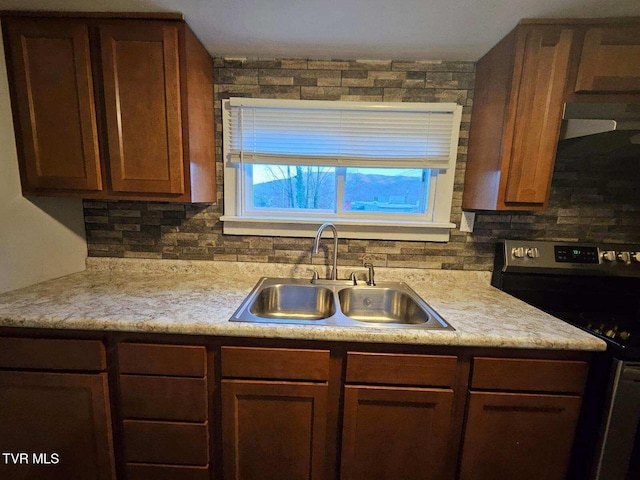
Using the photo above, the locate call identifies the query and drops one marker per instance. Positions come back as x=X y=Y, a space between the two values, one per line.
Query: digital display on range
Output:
x=576 y=254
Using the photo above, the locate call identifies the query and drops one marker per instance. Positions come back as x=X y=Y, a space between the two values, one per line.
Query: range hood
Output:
x=599 y=129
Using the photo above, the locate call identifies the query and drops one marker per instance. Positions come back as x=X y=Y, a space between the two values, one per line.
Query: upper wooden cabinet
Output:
x=111 y=108
x=55 y=105
x=610 y=60
x=516 y=119
x=521 y=87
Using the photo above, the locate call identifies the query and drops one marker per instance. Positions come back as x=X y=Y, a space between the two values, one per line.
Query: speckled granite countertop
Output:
x=198 y=298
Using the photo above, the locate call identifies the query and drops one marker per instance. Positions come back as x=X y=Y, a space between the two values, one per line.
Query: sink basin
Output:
x=381 y=305
x=298 y=301
x=304 y=302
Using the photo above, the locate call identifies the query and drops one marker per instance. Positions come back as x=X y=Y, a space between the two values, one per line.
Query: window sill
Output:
x=347 y=228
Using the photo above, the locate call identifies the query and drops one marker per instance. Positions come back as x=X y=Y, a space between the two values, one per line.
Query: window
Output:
x=376 y=170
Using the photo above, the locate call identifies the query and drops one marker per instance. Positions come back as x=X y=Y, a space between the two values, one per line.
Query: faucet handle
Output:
x=314 y=275
x=372 y=274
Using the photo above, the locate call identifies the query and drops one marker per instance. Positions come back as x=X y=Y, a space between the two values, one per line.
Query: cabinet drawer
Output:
x=166 y=442
x=275 y=363
x=400 y=369
x=529 y=375
x=164 y=398
x=141 y=471
x=171 y=360
x=50 y=354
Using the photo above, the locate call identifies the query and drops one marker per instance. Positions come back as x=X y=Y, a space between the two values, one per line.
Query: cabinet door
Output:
x=396 y=433
x=142 y=102
x=55 y=111
x=518 y=436
x=610 y=61
x=274 y=430
x=66 y=414
x=535 y=115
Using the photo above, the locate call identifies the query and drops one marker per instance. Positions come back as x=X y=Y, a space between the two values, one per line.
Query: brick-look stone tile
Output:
x=355 y=74
x=128 y=228
x=323 y=93
x=425 y=66
x=413 y=83
x=361 y=98
x=294 y=64
x=357 y=81
x=271 y=79
x=370 y=65
x=388 y=79
x=234 y=62
x=455 y=96
x=169 y=207
x=592 y=200
x=409 y=94
x=228 y=91
x=277 y=91
x=328 y=65
x=366 y=91
x=237 y=76
x=124 y=213
x=96 y=219
x=93 y=204
x=253 y=63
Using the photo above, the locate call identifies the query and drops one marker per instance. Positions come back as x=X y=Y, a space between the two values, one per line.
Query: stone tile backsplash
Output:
x=593 y=199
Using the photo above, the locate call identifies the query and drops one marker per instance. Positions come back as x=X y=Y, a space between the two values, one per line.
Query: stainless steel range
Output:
x=595 y=287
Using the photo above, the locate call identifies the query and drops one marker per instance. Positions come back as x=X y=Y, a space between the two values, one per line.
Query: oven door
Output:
x=620 y=438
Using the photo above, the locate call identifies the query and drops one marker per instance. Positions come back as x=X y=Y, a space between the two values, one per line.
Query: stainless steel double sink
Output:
x=298 y=301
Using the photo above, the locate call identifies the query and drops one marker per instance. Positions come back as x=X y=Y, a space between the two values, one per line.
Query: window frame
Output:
x=433 y=225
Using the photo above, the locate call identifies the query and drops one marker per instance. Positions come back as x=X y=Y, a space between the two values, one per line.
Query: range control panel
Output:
x=569 y=258
x=576 y=254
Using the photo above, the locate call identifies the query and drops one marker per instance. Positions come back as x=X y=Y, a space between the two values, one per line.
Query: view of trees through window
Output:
x=294 y=186
x=315 y=188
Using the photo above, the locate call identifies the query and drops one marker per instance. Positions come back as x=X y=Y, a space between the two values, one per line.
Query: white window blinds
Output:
x=379 y=135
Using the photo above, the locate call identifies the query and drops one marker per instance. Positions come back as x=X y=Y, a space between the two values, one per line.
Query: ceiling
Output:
x=350 y=29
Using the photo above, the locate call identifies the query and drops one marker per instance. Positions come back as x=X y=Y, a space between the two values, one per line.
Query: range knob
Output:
x=533 y=252
x=609 y=256
x=635 y=256
x=518 y=252
x=624 y=257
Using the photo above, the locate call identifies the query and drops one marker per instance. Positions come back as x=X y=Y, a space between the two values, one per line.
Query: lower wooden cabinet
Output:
x=395 y=433
x=59 y=418
x=521 y=418
x=274 y=430
x=55 y=416
x=165 y=410
x=518 y=436
x=271 y=413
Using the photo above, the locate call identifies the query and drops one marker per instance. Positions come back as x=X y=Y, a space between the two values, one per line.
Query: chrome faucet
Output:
x=316 y=246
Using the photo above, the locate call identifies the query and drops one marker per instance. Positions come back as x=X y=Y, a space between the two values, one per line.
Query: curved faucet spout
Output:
x=316 y=246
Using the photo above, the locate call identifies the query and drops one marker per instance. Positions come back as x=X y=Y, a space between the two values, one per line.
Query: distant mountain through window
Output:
x=311 y=189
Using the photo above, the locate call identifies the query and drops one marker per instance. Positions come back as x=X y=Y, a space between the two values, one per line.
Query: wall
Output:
x=592 y=199
x=39 y=238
